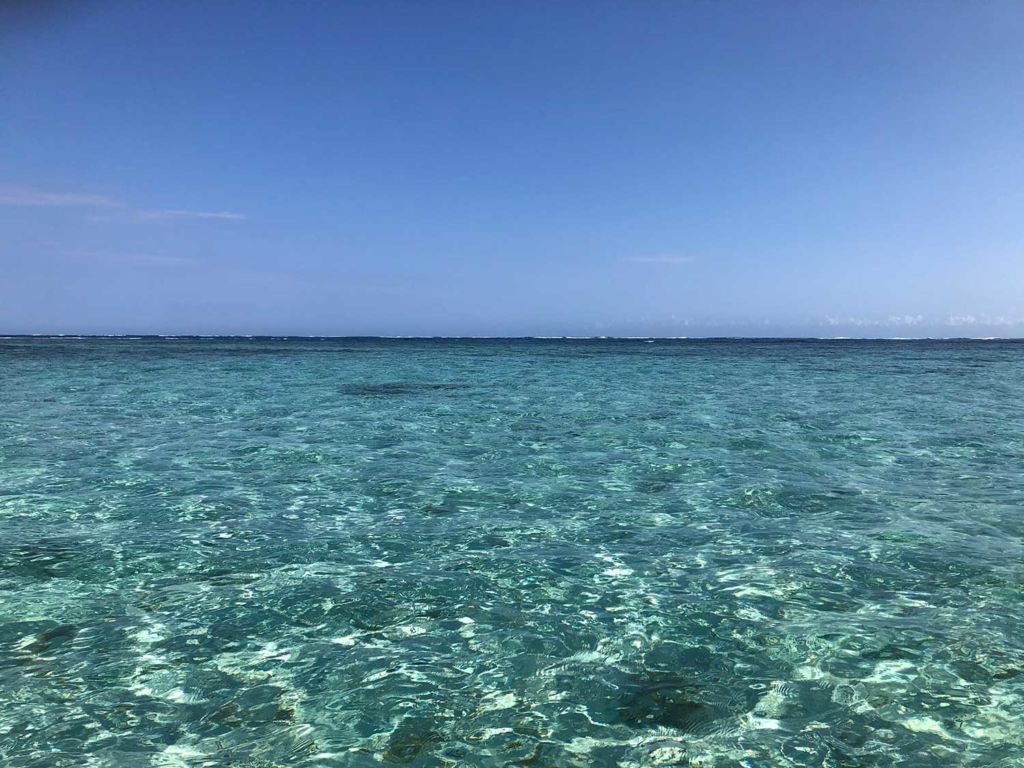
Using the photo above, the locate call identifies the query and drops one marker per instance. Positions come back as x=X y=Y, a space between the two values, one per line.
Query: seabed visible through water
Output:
x=259 y=553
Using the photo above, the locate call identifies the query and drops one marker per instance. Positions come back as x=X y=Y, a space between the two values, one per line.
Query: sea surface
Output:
x=257 y=553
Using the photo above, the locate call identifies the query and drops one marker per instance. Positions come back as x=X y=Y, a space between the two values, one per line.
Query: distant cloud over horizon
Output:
x=924 y=321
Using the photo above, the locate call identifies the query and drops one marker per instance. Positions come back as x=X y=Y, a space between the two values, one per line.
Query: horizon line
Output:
x=414 y=337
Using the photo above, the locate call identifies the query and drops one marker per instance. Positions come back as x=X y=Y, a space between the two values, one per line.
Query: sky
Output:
x=512 y=168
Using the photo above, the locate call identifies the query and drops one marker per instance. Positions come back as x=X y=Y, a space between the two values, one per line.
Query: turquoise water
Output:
x=256 y=552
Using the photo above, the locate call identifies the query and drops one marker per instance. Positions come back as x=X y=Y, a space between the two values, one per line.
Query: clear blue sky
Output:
x=511 y=168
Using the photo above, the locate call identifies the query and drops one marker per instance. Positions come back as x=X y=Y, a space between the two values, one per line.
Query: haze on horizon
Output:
x=649 y=168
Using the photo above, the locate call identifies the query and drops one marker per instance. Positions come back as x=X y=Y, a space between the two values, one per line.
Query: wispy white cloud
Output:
x=30 y=196
x=128 y=258
x=182 y=214
x=15 y=195
x=663 y=258
x=152 y=260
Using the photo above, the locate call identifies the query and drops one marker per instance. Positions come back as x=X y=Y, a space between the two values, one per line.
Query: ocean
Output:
x=257 y=552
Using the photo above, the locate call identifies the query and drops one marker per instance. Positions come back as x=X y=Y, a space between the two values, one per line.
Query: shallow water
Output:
x=232 y=552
